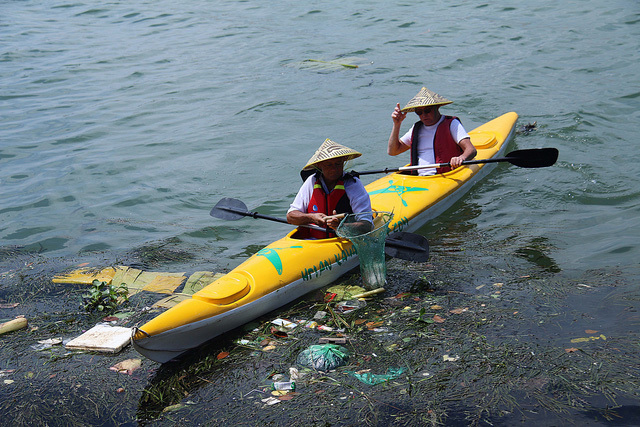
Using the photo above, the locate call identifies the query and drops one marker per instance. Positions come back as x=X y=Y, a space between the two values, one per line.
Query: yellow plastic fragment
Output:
x=345 y=292
x=165 y=283
x=86 y=276
x=137 y=280
x=128 y=276
x=199 y=280
x=171 y=300
x=587 y=339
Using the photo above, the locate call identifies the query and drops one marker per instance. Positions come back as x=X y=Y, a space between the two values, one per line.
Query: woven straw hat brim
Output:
x=425 y=98
x=330 y=150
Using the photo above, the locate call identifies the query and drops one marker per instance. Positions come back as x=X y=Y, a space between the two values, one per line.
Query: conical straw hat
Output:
x=425 y=98
x=330 y=150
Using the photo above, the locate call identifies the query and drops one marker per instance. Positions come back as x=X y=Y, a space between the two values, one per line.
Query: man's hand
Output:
x=398 y=116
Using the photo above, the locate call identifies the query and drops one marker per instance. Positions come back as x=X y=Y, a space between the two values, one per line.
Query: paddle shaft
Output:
x=257 y=215
x=531 y=158
x=433 y=166
x=389 y=241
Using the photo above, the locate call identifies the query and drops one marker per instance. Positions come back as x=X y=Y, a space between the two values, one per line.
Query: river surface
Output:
x=123 y=123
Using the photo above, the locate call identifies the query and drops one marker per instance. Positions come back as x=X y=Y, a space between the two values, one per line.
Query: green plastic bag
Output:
x=323 y=357
x=375 y=379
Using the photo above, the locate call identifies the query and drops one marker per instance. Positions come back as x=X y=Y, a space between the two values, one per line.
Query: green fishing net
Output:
x=369 y=241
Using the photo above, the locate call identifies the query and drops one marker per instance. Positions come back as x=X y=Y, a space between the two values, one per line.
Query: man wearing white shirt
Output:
x=440 y=139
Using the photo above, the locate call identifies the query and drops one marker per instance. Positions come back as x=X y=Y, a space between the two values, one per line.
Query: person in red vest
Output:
x=434 y=138
x=330 y=191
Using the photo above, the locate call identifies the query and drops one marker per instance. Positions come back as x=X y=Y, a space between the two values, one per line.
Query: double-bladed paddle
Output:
x=407 y=246
x=530 y=158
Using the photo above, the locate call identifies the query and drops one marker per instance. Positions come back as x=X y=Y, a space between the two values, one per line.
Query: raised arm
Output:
x=395 y=146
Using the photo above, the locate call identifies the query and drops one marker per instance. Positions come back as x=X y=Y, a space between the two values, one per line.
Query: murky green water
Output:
x=123 y=124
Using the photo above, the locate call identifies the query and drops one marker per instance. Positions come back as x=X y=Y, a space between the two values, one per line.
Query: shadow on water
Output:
x=535 y=252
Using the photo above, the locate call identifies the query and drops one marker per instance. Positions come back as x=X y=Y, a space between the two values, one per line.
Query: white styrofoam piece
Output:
x=103 y=338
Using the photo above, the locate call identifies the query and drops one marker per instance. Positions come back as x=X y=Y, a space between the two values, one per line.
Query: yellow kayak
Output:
x=290 y=268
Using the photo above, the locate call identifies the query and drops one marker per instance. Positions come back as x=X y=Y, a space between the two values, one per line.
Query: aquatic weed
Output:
x=105 y=297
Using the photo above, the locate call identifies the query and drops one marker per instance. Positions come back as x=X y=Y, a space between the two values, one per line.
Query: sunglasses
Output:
x=425 y=111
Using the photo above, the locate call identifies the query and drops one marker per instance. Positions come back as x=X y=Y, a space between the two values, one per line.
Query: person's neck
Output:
x=329 y=184
x=435 y=122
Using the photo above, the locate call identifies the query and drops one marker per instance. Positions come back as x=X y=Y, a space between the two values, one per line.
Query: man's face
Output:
x=429 y=116
x=332 y=169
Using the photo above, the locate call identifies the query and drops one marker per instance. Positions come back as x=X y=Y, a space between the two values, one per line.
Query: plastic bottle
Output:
x=284 y=385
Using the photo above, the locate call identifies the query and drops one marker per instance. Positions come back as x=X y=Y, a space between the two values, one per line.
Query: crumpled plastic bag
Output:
x=323 y=357
x=375 y=379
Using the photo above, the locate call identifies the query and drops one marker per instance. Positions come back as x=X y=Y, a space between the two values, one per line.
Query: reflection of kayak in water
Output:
x=290 y=268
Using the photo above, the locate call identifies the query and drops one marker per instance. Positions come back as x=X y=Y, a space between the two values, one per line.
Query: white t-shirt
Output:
x=426 y=156
x=358 y=196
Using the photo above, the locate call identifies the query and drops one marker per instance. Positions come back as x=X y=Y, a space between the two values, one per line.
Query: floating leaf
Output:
x=402 y=295
x=438 y=319
x=458 y=310
x=373 y=325
x=331 y=63
x=590 y=331
x=10 y=305
x=571 y=350
x=173 y=407
x=127 y=366
x=222 y=355
x=277 y=333
x=587 y=339
x=287 y=396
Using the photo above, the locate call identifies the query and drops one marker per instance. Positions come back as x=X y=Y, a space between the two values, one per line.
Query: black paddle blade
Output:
x=407 y=246
x=533 y=158
x=229 y=209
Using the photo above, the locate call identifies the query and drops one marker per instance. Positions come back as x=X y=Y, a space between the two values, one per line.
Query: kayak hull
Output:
x=290 y=268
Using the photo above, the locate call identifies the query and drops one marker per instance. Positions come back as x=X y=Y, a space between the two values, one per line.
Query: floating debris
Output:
x=331 y=63
x=529 y=127
x=324 y=357
x=102 y=338
x=127 y=366
x=13 y=325
x=45 y=344
x=587 y=339
x=367 y=377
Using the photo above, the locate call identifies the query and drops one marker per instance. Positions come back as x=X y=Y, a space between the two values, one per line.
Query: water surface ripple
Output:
x=124 y=123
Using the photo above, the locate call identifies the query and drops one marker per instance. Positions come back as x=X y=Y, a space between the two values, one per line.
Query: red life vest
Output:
x=320 y=201
x=444 y=146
